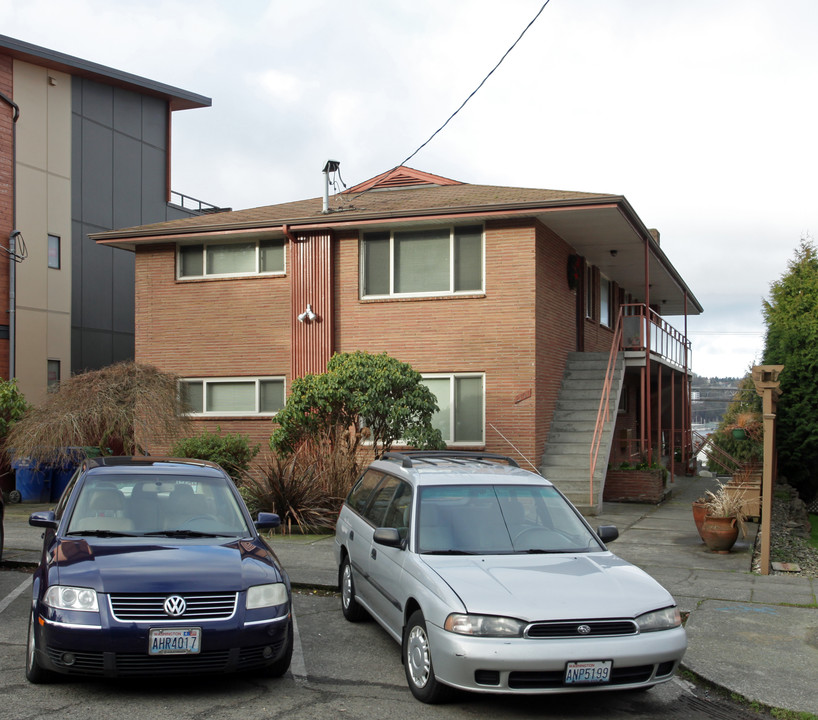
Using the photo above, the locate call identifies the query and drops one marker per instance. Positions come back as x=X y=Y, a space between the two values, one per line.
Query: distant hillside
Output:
x=711 y=396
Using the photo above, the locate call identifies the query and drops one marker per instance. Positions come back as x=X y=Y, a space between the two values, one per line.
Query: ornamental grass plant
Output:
x=307 y=487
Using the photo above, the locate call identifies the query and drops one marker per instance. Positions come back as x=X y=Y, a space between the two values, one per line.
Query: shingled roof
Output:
x=603 y=228
x=401 y=192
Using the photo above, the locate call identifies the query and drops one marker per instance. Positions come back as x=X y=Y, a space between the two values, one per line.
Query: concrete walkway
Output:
x=753 y=635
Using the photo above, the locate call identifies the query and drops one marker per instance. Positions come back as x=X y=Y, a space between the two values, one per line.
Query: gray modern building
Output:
x=83 y=148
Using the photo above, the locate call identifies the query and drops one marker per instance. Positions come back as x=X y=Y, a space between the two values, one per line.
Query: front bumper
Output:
x=111 y=649
x=529 y=666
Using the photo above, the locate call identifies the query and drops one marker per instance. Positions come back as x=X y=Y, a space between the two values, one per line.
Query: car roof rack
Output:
x=409 y=457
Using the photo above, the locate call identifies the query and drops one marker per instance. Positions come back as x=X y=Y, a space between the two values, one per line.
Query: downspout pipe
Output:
x=13 y=238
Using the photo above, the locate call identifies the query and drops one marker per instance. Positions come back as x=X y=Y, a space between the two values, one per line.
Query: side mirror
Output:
x=607 y=533
x=267 y=521
x=387 y=536
x=43 y=519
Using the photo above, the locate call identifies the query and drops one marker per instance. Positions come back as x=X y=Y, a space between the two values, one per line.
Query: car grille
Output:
x=85 y=663
x=580 y=629
x=198 y=606
x=139 y=664
x=556 y=678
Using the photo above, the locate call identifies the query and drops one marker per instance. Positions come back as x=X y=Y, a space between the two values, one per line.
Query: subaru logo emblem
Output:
x=175 y=606
x=584 y=629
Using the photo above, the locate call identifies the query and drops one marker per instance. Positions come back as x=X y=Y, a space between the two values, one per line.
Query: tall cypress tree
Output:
x=791 y=315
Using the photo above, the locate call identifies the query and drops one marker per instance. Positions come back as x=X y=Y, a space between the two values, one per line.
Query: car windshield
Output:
x=490 y=519
x=109 y=505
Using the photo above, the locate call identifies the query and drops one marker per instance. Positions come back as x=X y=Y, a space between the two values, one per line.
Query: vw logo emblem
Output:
x=584 y=629
x=175 y=606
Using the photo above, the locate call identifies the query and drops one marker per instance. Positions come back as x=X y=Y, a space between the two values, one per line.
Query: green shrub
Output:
x=232 y=451
x=12 y=405
x=376 y=397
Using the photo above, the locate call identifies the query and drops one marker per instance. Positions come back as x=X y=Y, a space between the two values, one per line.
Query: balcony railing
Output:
x=666 y=342
x=192 y=204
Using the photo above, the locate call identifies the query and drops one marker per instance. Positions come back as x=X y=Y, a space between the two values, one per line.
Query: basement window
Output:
x=439 y=261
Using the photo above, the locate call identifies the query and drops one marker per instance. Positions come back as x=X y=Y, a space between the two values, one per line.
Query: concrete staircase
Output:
x=566 y=460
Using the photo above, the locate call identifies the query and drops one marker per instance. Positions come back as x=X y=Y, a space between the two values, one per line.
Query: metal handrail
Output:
x=602 y=415
x=191 y=203
x=719 y=455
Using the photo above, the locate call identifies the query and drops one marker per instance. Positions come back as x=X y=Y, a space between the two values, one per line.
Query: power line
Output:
x=471 y=95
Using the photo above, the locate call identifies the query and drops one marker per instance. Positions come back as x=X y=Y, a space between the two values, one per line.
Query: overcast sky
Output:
x=702 y=113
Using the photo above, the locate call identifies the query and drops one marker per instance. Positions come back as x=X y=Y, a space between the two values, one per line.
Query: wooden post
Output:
x=765 y=378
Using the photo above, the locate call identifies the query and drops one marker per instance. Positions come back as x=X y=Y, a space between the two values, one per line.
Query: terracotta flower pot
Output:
x=719 y=533
x=699 y=512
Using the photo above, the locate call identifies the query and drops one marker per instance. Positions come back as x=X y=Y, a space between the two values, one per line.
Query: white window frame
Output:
x=452 y=420
x=251 y=273
x=434 y=293
x=222 y=380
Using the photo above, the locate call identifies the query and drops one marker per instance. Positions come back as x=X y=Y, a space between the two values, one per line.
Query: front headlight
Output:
x=659 y=620
x=63 y=597
x=261 y=596
x=484 y=625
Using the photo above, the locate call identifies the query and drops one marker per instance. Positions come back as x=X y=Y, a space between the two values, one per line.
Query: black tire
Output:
x=353 y=612
x=34 y=672
x=280 y=666
x=417 y=663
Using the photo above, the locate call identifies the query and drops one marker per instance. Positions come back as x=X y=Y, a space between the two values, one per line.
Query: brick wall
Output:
x=211 y=328
x=642 y=486
x=518 y=332
x=6 y=197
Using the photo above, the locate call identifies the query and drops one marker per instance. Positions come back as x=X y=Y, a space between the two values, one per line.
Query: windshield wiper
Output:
x=448 y=552
x=101 y=533
x=542 y=551
x=181 y=533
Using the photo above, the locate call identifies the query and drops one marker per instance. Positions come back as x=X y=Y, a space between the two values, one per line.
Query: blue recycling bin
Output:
x=63 y=471
x=33 y=482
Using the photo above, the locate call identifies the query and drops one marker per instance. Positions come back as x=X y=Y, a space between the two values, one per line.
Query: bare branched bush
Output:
x=114 y=409
x=306 y=488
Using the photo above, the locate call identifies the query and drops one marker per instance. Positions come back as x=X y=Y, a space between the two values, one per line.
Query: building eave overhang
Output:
x=594 y=227
x=177 y=98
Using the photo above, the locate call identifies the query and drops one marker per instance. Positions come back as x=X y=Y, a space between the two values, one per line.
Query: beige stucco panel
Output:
x=31 y=94
x=32 y=221
x=43 y=206
x=59 y=124
x=32 y=360
x=59 y=224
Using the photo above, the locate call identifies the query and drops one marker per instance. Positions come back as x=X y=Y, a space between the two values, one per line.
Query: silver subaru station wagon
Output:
x=493 y=582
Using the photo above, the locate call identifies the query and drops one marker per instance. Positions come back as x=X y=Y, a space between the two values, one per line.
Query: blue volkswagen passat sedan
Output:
x=492 y=582
x=154 y=567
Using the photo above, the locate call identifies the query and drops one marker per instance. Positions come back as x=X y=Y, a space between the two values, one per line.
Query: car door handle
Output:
x=351 y=535
x=373 y=553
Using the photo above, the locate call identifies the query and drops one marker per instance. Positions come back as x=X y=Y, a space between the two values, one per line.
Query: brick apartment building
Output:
x=83 y=148
x=509 y=301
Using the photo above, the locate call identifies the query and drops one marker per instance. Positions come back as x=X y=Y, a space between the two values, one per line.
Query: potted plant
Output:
x=747 y=424
x=724 y=517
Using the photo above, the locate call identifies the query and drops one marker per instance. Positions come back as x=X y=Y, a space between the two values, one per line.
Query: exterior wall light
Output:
x=308 y=315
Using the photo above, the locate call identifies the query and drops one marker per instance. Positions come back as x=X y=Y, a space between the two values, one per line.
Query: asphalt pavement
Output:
x=750 y=634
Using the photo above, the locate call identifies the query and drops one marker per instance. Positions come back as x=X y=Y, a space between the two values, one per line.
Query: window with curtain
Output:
x=461 y=403
x=226 y=259
x=437 y=261
x=232 y=396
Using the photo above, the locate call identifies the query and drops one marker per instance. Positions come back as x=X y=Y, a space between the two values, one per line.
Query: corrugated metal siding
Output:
x=311 y=273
